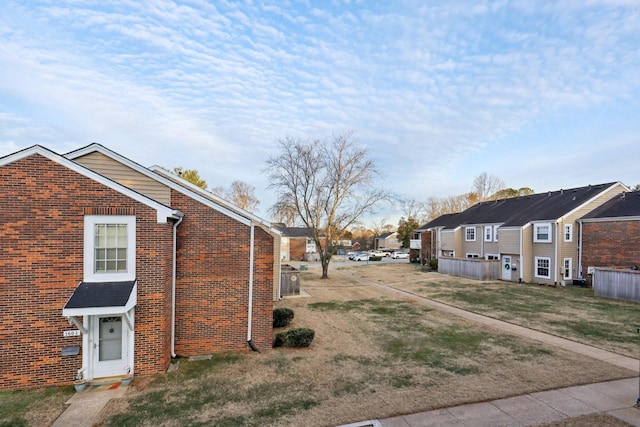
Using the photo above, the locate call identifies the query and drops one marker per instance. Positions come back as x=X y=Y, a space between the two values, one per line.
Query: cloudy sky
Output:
x=540 y=93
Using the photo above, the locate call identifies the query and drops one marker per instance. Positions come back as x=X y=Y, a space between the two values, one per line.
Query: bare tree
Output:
x=485 y=185
x=240 y=194
x=328 y=185
x=436 y=206
x=411 y=208
x=379 y=227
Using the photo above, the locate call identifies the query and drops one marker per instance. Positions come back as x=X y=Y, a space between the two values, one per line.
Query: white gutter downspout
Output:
x=580 y=250
x=173 y=287
x=555 y=256
x=521 y=256
x=250 y=312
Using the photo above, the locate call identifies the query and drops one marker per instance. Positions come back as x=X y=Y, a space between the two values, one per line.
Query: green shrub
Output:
x=375 y=258
x=433 y=263
x=282 y=317
x=300 y=337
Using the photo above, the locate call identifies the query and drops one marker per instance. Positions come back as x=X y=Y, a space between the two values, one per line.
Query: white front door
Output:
x=506 y=268
x=109 y=346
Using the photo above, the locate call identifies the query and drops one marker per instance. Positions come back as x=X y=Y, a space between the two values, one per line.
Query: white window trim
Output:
x=535 y=232
x=495 y=233
x=495 y=256
x=466 y=235
x=540 y=258
x=472 y=255
x=89 y=237
x=488 y=233
x=568 y=230
x=570 y=269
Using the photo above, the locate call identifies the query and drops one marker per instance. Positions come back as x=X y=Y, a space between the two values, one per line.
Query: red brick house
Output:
x=611 y=235
x=107 y=266
x=298 y=243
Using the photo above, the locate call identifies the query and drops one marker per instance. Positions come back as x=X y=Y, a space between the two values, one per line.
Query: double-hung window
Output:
x=542 y=232
x=109 y=248
x=488 y=233
x=470 y=234
x=568 y=273
x=568 y=232
x=543 y=267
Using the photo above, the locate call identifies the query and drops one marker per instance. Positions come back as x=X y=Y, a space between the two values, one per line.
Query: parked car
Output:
x=376 y=253
x=362 y=256
x=399 y=255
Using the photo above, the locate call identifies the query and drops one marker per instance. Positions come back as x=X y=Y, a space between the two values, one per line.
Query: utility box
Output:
x=289 y=281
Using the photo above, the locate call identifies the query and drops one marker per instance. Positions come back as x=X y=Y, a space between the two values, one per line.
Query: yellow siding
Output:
x=458 y=241
x=126 y=176
x=570 y=249
x=545 y=250
x=526 y=263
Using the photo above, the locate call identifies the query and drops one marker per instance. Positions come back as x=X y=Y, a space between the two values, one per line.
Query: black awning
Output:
x=94 y=298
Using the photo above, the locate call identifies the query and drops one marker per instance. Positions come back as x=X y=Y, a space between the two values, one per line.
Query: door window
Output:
x=110 y=339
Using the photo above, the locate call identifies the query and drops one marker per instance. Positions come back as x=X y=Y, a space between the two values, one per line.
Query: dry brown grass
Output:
x=375 y=355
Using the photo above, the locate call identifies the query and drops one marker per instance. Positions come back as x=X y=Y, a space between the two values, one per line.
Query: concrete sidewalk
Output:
x=615 y=398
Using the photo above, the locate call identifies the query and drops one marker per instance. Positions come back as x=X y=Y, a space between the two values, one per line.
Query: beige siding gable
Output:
x=126 y=176
x=509 y=242
x=448 y=240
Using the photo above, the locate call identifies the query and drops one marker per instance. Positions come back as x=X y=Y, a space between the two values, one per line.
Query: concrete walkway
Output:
x=85 y=406
x=616 y=398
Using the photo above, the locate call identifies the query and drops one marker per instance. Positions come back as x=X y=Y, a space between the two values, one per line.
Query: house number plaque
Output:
x=74 y=333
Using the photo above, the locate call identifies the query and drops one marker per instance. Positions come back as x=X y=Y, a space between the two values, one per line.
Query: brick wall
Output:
x=297 y=248
x=427 y=250
x=41 y=263
x=213 y=281
x=614 y=244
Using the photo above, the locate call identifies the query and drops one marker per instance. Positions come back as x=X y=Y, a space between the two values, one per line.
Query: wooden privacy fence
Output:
x=289 y=280
x=471 y=268
x=617 y=284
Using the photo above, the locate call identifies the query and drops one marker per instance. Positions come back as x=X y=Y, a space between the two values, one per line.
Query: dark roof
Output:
x=385 y=235
x=104 y=294
x=446 y=220
x=625 y=205
x=518 y=211
x=294 y=231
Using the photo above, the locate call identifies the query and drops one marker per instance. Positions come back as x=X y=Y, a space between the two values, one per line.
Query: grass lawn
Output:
x=570 y=312
x=375 y=355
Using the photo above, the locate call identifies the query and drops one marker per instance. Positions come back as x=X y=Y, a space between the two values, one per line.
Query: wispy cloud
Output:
x=429 y=88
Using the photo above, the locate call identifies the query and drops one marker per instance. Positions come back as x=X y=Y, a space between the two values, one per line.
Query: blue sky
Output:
x=543 y=94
